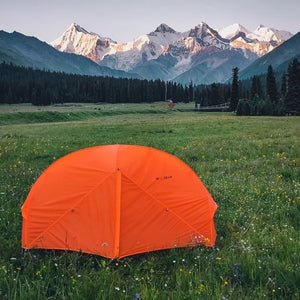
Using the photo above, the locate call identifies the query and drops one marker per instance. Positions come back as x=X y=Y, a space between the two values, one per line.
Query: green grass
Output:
x=250 y=165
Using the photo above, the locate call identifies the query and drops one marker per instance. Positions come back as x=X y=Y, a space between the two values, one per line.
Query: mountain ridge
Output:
x=174 y=54
x=29 y=51
x=279 y=58
x=201 y=55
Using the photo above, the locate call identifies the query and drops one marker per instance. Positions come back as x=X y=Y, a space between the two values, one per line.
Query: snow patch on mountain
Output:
x=267 y=34
x=232 y=30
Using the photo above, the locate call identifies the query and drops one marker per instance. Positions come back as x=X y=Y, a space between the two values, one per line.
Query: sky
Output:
x=125 y=20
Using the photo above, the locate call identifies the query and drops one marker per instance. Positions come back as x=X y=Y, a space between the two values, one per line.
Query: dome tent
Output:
x=116 y=201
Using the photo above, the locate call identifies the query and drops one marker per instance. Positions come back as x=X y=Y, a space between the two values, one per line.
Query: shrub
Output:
x=243 y=108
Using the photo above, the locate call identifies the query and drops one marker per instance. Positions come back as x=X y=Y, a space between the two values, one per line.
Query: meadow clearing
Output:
x=250 y=165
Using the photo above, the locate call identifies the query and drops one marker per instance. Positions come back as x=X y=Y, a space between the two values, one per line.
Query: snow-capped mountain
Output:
x=167 y=54
x=146 y=47
x=279 y=58
x=266 y=34
x=261 y=33
x=22 y=50
x=261 y=41
x=79 y=41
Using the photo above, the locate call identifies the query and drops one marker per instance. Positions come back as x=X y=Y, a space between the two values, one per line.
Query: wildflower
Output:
x=117 y=288
x=137 y=296
x=219 y=258
x=125 y=266
x=180 y=270
x=117 y=264
x=19 y=268
x=38 y=273
x=225 y=282
x=273 y=291
x=202 y=288
x=142 y=278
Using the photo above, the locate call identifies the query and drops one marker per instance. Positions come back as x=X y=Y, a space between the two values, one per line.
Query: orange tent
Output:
x=118 y=200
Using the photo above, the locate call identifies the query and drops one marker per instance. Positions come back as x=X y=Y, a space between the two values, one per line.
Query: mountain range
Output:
x=279 y=58
x=28 y=51
x=201 y=55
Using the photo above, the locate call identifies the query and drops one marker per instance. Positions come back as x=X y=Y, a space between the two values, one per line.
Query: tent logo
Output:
x=164 y=177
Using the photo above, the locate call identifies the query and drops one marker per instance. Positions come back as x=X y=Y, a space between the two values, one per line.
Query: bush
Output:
x=243 y=108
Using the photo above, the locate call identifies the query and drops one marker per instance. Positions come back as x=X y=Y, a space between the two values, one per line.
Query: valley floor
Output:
x=250 y=165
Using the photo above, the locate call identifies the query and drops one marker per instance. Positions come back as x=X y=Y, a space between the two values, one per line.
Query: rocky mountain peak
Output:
x=163 y=28
x=77 y=28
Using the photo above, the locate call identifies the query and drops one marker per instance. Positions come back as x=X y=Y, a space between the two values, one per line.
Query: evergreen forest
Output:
x=27 y=85
x=270 y=94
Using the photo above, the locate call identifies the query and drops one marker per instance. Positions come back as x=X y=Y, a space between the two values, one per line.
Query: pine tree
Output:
x=271 y=86
x=292 y=99
x=283 y=84
x=191 y=92
x=256 y=90
x=234 y=89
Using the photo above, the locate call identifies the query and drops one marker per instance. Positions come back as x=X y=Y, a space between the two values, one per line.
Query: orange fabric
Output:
x=116 y=201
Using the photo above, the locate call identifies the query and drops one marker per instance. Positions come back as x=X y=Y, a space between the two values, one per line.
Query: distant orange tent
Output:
x=116 y=201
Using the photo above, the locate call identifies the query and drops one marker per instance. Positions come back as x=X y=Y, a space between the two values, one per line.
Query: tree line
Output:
x=26 y=85
x=275 y=99
x=260 y=95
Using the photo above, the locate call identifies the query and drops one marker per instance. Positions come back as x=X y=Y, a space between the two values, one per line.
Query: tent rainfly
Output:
x=116 y=201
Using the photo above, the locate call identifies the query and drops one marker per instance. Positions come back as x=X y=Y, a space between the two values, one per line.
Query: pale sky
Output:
x=124 y=20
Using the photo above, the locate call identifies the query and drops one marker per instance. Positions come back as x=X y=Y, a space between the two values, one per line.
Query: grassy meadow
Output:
x=250 y=165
